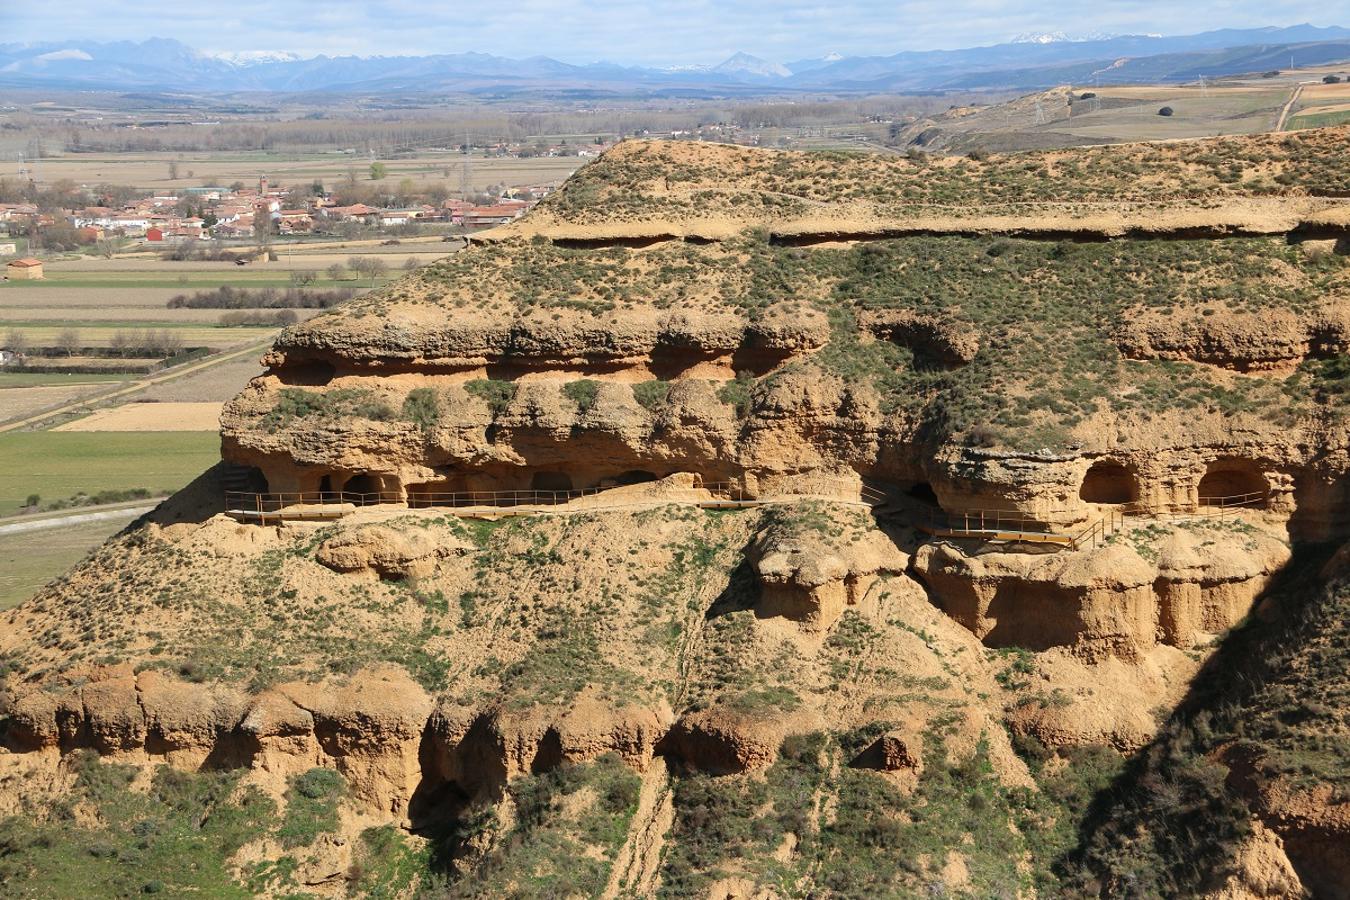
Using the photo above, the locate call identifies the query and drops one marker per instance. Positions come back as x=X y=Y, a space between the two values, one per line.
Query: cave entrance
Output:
x=1233 y=481
x=559 y=482
x=371 y=489
x=923 y=492
x=635 y=476
x=1109 y=482
x=244 y=479
x=325 y=487
x=449 y=491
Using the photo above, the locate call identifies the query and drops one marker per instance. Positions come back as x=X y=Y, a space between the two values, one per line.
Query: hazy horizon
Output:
x=698 y=32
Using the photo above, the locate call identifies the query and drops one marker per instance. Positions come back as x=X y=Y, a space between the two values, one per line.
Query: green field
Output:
x=58 y=465
x=30 y=559
x=1319 y=120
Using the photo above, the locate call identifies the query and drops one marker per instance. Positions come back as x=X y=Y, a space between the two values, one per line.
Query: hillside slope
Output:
x=718 y=531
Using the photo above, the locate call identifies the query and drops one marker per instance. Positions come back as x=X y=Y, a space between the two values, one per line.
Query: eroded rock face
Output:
x=893 y=752
x=388 y=552
x=725 y=741
x=930 y=337
x=1245 y=342
x=368 y=727
x=810 y=571
x=480 y=750
x=1110 y=601
x=541 y=339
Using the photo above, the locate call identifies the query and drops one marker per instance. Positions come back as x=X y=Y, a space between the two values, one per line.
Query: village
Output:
x=237 y=213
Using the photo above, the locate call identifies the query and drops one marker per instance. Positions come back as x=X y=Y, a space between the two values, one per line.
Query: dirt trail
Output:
x=638 y=865
x=1288 y=107
x=114 y=511
x=639 y=861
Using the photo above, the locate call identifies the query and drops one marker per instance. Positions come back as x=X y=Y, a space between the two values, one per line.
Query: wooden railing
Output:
x=326 y=504
x=992 y=524
x=1012 y=525
x=1206 y=508
x=331 y=504
x=988 y=522
x=1098 y=531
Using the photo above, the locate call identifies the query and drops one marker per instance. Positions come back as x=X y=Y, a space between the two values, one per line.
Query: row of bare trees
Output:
x=126 y=343
x=392 y=134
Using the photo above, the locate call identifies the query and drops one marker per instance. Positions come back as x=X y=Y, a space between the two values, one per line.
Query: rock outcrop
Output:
x=1245 y=342
x=1177 y=586
x=811 y=569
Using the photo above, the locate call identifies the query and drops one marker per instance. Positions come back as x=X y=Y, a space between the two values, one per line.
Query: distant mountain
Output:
x=806 y=65
x=1031 y=61
x=743 y=64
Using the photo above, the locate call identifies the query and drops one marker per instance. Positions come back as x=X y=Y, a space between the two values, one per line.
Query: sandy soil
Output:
x=150 y=417
x=218 y=383
x=1324 y=92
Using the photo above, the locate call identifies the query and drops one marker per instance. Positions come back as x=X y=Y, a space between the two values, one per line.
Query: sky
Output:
x=636 y=33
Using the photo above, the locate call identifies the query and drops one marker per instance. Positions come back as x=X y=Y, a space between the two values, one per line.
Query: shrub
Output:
x=226 y=297
x=423 y=406
x=582 y=393
x=651 y=394
x=298 y=403
x=311 y=807
x=497 y=394
x=259 y=317
x=736 y=394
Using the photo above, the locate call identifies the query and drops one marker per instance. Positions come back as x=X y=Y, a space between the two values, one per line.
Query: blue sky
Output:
x=692 y=31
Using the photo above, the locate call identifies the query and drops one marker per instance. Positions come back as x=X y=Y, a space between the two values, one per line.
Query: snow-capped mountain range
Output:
x=1029 y=61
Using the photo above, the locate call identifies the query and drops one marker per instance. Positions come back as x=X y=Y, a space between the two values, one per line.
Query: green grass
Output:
x=58 y=465
x=555 y=848
x=30 y=559
x=311 y=807
x=174 y=840
x=1320 y=120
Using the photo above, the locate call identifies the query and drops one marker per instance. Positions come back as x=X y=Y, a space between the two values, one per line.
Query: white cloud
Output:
x=627 y=31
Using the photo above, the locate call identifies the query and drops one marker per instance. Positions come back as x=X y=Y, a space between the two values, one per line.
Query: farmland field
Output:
x=30 y=559
x=53 y=379
x=1237 y=110
x=1320 y=119
x=16 y=402
x=104 y=301
x=58 y=465
x=171 y=416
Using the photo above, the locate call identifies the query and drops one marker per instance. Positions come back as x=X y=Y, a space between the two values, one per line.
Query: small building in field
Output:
x=26 y=269
x=154 y=234
x=488 y=216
